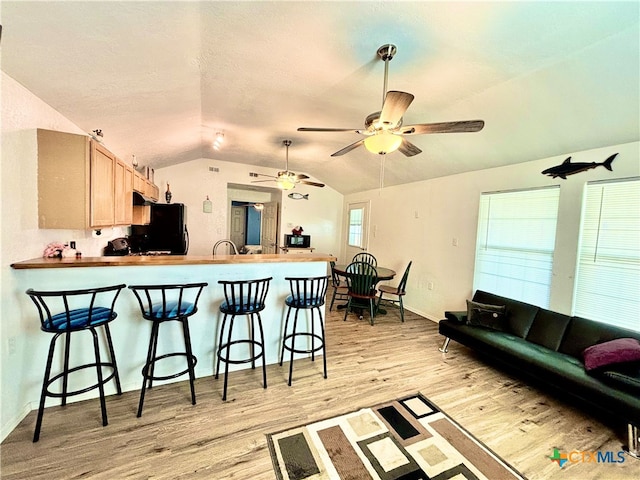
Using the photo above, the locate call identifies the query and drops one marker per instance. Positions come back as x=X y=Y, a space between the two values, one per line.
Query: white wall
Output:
x=419 y=221
x=192 y=182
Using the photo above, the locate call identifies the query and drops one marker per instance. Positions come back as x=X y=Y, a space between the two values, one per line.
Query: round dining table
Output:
x=383 y=274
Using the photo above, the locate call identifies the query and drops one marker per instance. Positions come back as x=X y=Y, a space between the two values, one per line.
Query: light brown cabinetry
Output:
x=123 y=188
x=102 y=186
x=81 y=184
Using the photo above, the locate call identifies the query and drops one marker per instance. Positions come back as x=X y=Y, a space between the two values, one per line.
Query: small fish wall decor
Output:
x=298 y=196
x=569 y=168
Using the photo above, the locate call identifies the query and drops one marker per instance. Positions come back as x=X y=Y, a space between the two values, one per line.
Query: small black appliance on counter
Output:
x=297 y=241
x=117 y=247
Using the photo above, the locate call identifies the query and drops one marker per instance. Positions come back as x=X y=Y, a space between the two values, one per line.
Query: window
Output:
x=356 y=227
x=607 y=285
x=514 y=247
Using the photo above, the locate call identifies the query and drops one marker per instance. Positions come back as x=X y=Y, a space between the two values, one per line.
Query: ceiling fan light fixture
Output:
x=383 y=142
x=285 y=182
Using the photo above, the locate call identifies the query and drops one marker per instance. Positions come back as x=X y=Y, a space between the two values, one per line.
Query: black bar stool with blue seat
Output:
x=80 y=310
x=166 y=303
x=242 y=297
x=306 y=294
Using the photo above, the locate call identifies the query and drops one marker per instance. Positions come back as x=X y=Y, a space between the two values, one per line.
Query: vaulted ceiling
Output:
x=161 y=78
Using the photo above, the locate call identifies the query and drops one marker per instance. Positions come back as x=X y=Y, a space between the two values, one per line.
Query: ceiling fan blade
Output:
x=262 y=181
x=395 y=104
x=302 y=176
x=408 y=149
x=314 y=129
x=348 y=148
x=313 y=184
x=444 y=127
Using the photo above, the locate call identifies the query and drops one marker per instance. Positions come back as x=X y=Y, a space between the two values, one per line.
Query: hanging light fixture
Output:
x=286 y=181
x=217 y=143
x=382 y=142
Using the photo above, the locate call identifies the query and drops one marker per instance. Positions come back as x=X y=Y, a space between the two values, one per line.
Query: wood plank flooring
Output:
x=226 y=440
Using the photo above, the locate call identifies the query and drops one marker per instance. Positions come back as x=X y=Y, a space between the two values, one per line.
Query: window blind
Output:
x=607 y=286
x=515 y=243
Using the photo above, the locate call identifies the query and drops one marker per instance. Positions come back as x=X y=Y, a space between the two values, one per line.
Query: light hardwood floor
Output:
x=226 y=440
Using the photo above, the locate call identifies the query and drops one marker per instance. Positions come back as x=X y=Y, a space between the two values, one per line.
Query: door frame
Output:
x=351 y=250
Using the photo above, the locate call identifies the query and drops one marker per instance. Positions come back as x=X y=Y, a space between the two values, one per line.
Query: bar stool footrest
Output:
x=305 y=334
x=145 y=369
x=226 y=348
x=106 y=379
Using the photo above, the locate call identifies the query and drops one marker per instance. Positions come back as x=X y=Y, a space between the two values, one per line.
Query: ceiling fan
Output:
x=383 y=130
x=286 y=180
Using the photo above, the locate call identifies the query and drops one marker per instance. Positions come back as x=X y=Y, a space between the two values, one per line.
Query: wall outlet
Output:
x=12 y=345
x=430 y=286
x=454 y=241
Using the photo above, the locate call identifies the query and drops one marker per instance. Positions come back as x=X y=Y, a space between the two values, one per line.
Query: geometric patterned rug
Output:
x=409 y=439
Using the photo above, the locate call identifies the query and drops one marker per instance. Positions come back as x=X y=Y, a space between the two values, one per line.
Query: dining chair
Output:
x=340 y=289
x=361 y=282
x=365 y=257
x=395 y=292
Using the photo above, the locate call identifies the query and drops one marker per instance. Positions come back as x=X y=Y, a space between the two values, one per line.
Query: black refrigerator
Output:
x=167 y=231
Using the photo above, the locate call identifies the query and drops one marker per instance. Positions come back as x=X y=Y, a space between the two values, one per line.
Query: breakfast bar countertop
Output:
x=153 y=260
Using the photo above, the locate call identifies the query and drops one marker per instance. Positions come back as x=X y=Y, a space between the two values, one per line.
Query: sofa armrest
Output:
x=460 y=317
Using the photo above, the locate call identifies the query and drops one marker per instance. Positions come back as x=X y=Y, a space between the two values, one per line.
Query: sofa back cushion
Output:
x=548 y=328
x=582 y=333
x=519 y=315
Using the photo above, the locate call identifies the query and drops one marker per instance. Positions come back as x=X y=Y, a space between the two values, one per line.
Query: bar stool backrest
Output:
x=72 y=310
x=244 y=296
x=365 y=257
x=307 y=292
x=168 y=302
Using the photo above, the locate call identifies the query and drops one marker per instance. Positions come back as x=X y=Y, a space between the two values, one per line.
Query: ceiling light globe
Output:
x=383 y=143
x=285 y=182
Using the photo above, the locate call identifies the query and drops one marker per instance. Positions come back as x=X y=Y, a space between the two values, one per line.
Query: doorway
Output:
x=254 y=214
x=357 y=229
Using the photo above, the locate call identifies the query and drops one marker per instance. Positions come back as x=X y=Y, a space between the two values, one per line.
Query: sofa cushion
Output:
x=582 y=333
x=519 y=315
x=548 y=329
x=487 y=316
x=620 y=350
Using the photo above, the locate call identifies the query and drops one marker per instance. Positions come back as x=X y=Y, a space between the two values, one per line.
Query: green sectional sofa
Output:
x=549 y=349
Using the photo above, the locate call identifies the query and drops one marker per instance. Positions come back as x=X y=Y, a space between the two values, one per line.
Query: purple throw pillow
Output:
x=620 y=350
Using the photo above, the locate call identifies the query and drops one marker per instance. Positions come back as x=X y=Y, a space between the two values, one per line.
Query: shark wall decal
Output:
x=568 y=168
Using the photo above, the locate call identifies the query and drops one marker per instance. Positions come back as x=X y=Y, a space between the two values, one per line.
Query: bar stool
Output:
x=244 y=297
x=80 y=310
x=306 y=294
x=165 y=303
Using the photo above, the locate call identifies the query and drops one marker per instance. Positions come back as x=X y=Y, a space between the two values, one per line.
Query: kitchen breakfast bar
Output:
x=130 y=332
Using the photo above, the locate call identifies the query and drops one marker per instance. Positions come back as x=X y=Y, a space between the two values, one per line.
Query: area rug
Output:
x=409 y=439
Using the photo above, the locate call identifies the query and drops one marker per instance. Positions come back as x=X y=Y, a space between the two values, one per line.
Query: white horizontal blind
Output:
x=515 y=243
x=607 y=285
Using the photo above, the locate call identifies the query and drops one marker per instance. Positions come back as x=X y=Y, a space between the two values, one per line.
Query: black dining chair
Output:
x=339 y=285
x=396 y=293
x=365 y=257
x=80 y=310
x=361 y=283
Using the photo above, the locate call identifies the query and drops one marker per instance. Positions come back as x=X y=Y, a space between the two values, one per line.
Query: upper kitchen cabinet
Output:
x=123 y=187
x=81 y=184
